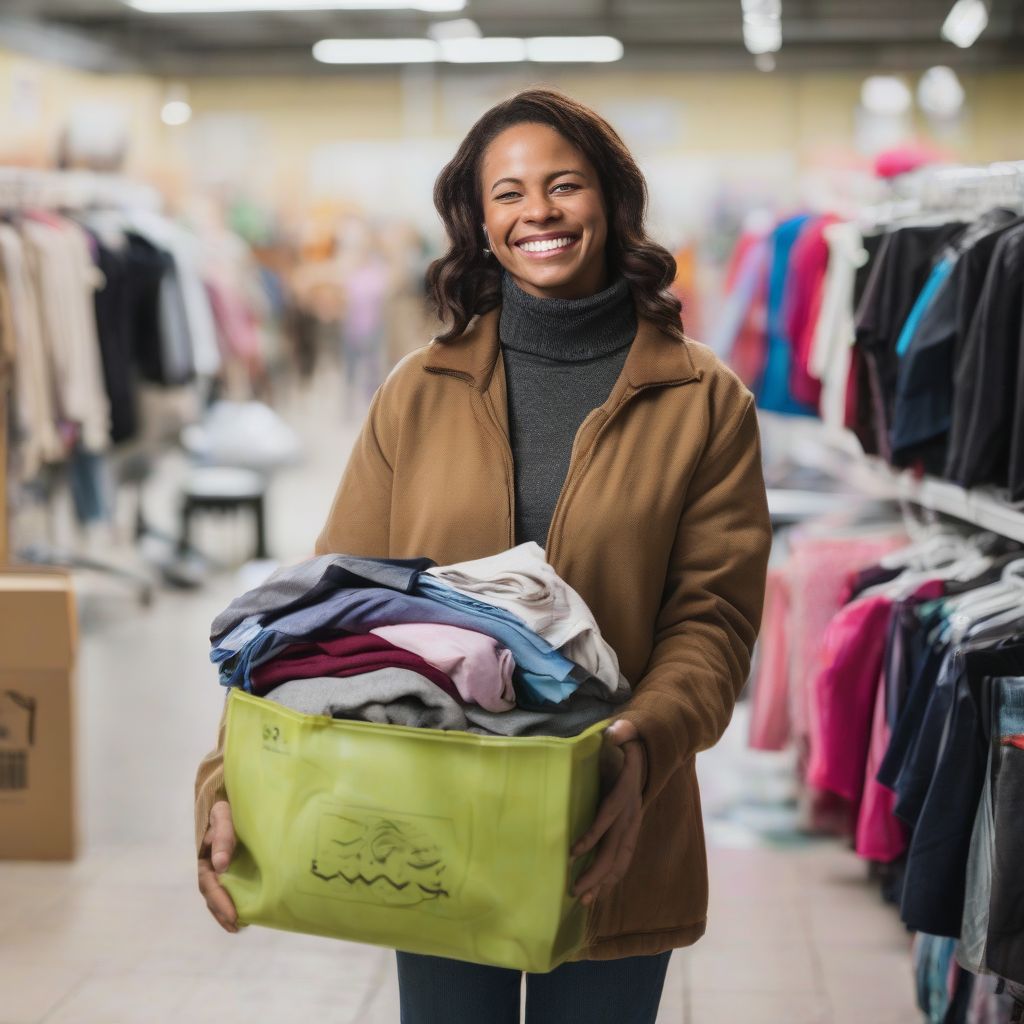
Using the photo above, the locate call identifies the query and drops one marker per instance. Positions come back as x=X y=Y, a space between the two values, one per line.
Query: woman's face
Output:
x=544 y=213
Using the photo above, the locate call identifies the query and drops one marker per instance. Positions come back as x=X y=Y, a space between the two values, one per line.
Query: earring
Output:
x=486 y=251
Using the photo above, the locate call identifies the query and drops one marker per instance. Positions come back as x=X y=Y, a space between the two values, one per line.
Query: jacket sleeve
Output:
x=359 y=521
x=711 y=608
x=210 y=783
x=358 y=524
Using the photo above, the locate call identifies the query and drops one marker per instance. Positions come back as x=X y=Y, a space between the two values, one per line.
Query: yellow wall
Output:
x=270 y=129
x=37 y=100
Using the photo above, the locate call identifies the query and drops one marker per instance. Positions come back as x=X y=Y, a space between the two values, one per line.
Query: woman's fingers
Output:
x=611 y=807
x=613 y=859
x=222 y=836
x=218 y=901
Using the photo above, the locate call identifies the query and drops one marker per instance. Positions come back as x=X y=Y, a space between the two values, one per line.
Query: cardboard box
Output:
x=37 y=715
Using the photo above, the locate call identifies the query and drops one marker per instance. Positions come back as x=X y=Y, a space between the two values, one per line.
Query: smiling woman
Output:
x=565 y=407
x=544 y=188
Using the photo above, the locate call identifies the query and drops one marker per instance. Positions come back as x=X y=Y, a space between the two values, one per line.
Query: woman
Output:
x=564 y=405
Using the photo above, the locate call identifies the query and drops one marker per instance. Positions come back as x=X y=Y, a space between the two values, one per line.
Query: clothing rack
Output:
x=951 y=189
x=30 y=188
x=22 y=188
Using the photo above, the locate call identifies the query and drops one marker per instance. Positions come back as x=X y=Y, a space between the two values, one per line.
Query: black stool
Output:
x=224 y=489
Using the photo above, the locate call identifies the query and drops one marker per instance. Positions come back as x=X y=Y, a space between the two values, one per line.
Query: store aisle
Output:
x=797 y=934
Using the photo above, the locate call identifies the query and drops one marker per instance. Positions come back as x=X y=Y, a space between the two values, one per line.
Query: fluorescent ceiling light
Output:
x=459 y=28
x=247 y=6
x=965 y=22
x=761 y=33
x=376 y=51
x=885 y=94
x=491 y=50
x=572 y=49
x=469 y=50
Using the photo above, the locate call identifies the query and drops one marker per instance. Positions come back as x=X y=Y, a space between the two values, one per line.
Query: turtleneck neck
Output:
x=567 y=330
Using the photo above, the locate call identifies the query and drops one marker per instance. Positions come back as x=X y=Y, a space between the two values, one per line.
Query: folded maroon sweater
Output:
x=349 y=655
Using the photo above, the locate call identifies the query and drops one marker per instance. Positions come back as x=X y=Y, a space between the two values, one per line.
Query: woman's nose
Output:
x=540 y=209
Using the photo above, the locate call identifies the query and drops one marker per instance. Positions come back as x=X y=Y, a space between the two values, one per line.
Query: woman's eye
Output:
x=567 y=184
x=505 y=195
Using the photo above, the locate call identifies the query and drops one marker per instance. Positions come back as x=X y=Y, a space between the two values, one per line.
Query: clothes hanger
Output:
x=998 y=602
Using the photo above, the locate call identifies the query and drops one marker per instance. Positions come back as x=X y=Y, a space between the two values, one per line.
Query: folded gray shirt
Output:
x=398 y=696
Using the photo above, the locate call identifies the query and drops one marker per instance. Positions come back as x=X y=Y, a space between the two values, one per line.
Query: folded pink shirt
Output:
x=478 y=665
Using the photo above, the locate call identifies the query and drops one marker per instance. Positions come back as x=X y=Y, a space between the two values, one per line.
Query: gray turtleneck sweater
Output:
x=562 y=357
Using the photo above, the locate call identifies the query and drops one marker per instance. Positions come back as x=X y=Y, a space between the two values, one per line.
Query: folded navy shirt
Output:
x=298 y=586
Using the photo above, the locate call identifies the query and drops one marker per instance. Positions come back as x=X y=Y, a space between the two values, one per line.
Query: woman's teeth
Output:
x=547 y=244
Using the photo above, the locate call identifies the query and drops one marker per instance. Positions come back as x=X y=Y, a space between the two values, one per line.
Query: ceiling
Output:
x=107 y=35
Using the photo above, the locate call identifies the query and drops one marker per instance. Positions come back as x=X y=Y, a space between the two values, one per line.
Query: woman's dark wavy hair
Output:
x=464 y=281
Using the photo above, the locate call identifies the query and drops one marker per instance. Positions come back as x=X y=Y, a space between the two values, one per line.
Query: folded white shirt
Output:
x=520 y=581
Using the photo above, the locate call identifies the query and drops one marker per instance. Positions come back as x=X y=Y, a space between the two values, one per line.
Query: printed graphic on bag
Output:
x=363 y=855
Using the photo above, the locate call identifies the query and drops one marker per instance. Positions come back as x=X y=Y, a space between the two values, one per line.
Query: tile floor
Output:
x=797 y=935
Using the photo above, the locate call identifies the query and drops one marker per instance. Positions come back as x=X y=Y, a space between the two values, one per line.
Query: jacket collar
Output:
x=654 y=359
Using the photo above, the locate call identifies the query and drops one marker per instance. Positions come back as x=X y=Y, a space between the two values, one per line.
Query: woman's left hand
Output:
x=617 y=824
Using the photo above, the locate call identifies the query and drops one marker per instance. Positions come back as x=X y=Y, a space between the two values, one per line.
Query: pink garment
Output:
x=237 y=327
x=845 y=690
x=819 y=569
x=480 y=668
x=808 y=262
x=769 y=717
x=880 y=835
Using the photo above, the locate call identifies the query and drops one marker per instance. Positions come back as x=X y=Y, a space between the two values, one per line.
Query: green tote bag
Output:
x=445 y=843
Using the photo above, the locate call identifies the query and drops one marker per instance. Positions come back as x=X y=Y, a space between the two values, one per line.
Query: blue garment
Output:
x=773 y=390
x=434 y=990
x=89 y=477
x=542 y=674
x=936 y=279
x=935 y=885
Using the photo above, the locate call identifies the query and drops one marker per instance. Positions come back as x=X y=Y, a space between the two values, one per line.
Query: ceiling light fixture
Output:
x=470 y=50
x=939 y=93
x=886 y=95
x=965 y=22
x=376 y=51
x=175 y=113
x=489 y=50
x=259 y=6
x=762 y=26
x=574 y=49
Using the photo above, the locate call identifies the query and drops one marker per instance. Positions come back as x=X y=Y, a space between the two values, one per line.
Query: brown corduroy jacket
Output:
x=662 y=527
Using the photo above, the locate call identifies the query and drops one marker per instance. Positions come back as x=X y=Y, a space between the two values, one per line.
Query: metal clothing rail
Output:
x=980 y=506
x=25 y=187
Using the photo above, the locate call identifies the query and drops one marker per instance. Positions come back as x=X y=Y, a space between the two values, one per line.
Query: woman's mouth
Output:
x=548 y=248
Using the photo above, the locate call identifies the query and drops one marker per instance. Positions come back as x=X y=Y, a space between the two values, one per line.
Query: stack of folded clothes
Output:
x=499 y=645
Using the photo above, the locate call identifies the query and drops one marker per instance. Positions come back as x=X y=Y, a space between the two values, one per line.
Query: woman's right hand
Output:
x=215 y=856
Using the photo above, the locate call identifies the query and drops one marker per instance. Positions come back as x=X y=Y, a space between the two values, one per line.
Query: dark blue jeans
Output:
x=438 y=991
